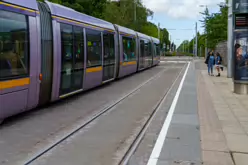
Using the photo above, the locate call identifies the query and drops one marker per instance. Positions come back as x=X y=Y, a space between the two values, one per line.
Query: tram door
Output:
x=142 y=55
x=72 y=69
x=108 y=56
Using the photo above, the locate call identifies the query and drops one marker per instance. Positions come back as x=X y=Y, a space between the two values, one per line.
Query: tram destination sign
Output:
x=240 y=6
x=241 y=21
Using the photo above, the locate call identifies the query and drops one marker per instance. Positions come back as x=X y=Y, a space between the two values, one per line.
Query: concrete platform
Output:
x=209 y=125
x=226 y=120
x=182 y=142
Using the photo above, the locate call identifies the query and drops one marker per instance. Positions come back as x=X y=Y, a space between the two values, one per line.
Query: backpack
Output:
x=207 y=59
x=220 y=59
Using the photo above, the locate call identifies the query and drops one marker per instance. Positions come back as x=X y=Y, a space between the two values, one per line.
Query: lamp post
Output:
x=229 y=37
x=230 y=41
x=196 y=40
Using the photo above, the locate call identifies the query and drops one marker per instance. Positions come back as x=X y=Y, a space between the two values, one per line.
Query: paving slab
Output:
x=237 y=142
x=214 y=146
x=216 y=158
x=233 y=130
x=240 y=159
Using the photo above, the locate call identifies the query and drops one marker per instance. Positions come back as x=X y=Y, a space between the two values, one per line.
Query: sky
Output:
x=180 y=16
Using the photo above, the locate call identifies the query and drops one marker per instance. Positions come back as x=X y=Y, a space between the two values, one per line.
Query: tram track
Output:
x=94 y=117
x=135 y=144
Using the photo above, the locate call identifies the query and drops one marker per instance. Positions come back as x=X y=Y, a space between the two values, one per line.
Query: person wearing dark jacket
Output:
x=210 y=63
x=206 y=61
x=218 y=63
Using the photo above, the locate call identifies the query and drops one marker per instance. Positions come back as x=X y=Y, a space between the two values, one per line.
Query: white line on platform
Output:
x=162 y=135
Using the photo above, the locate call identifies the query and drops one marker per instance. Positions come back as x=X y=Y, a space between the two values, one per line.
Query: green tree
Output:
x=215 y=26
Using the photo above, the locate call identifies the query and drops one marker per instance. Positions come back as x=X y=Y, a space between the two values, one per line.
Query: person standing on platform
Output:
x=218 y=61
x=210 y=63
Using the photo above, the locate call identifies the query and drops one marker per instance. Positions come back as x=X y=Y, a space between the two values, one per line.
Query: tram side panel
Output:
x=154 y=54
x=19 y=54
x=128 y=55
x=47 y=54
x=117 y=52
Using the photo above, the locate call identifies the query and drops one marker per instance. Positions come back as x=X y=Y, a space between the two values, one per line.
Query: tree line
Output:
x=215 y=31
x=128 y=13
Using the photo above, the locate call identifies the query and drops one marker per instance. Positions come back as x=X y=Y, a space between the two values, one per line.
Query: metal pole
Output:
x=196 y=51
x=200 y=51
x=183 y=47
x=135 y=14
x=206 y=40
x=230 y=41
x=159 y=31
x=188 y=47
x=193 y=46
x=206 y=46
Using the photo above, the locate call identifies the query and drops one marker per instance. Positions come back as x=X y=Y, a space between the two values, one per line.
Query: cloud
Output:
x=188 y=9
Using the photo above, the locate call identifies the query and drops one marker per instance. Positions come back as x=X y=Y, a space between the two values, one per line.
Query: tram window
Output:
x=1 y=45
x=146 y=49
x=78 y=47
x=94 y=48
x=154 y=50
x=109 y=48
x=157 y=50
x=67 y=42
x=128 y=49
x=142 y=48
x=149 y=49
x=14 y=45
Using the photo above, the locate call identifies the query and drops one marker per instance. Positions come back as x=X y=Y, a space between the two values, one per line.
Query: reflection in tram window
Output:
x=128 y=49
x=142 y=54
x=149 y=53
x=1 y=44
x=149 y=49
x=14 y=54
x=72 y=45
x=146 y=49
x=94 y=48
x=157 y=50
x=145 y=62
x=78 y=47
x=109 y=48
x=142 y=48
x=67 y=42
x=154 y=50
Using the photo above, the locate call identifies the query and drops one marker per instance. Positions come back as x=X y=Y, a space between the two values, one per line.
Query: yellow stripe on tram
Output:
x=81 y=23
x=129 y=63
x=14 y=83
x=17 y=7
x=96 y=69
